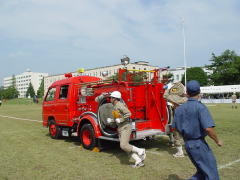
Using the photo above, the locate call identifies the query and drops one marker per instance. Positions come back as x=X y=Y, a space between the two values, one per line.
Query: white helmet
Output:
x=115 y=94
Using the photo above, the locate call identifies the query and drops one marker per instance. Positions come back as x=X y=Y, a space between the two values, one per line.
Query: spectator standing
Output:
x=234 y=99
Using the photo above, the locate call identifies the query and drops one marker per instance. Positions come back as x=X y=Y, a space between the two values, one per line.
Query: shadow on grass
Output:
x=173 y=177
x=74 y=139
x=113 y=148
x=71 y=140
x=160 y=144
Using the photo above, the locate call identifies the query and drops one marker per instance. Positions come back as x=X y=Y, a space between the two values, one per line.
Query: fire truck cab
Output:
x=70 y=107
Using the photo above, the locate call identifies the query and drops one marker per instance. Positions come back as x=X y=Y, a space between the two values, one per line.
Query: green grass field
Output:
x=27 y=152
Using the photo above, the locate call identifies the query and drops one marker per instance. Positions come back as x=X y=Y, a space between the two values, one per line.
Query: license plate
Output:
x=65 y=133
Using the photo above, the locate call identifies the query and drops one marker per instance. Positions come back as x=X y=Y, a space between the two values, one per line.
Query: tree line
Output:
x=11 y=92
x=223 y=70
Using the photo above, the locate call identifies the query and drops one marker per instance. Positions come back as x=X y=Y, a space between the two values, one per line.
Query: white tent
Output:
x=220 y=89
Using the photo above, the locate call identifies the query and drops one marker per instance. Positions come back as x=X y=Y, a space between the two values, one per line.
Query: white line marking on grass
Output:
x=211 y=105
x=23 y=119
x=229 y=164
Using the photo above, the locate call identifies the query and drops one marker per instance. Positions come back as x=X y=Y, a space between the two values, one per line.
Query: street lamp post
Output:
x=125 y=61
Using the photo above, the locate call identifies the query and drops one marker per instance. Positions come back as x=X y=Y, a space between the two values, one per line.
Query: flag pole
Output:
x=184 y=53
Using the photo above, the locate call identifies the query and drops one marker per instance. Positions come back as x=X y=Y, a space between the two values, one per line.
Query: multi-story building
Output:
x=98 y=72
x=179 y=72
x=23 y=80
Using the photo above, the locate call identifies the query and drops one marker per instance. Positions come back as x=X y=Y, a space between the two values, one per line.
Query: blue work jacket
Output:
x=191 y=119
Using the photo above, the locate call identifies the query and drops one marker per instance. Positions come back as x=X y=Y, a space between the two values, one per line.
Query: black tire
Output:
x=70 y=132
x=54 y=130
x=87 y=137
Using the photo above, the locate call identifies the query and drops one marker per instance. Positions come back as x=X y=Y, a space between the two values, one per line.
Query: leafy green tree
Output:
x=139 y=76
x=13 y=89
x=225 y=68
x=13 y=81
x=196 y=73
x=135 y=76
x=40 y=91
x=168 y=77
x=10 y=93
x=114 y=77
x=30 y=91
x=1 y=92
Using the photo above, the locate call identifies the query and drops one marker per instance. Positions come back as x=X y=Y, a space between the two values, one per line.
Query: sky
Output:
x=59 y=36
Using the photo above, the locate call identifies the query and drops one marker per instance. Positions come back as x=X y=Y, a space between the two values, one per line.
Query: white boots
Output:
x=141 y=152
x=139 y=156
x=138 y=161
x=179 y=152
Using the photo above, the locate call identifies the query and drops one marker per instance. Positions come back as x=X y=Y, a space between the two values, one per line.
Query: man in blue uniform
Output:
x=194 y=122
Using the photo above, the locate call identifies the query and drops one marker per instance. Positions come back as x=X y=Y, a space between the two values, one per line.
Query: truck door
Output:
x=156 y=107
x=49 y=105
x=62 y=105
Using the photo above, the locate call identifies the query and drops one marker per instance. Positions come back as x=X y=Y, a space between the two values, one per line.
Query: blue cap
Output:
x=193 y=87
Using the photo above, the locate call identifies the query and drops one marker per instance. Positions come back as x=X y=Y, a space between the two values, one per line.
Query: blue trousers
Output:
x=203 y=159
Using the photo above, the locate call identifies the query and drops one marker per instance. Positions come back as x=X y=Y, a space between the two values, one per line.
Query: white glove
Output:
x=118 y=120
x=109 y=120
x=169 y=85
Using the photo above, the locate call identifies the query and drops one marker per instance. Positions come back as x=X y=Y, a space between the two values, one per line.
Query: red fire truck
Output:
x=70 y=107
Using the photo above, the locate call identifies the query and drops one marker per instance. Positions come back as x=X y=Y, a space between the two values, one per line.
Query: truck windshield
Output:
x=51 y=94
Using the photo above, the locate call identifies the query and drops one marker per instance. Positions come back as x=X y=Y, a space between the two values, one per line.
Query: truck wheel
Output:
x=54 y=130
x=87 y=137
x=70 y=132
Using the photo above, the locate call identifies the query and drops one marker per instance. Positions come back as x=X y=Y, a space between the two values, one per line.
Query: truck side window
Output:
x=82 y=95
x=63 y=92
x=50 y=95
